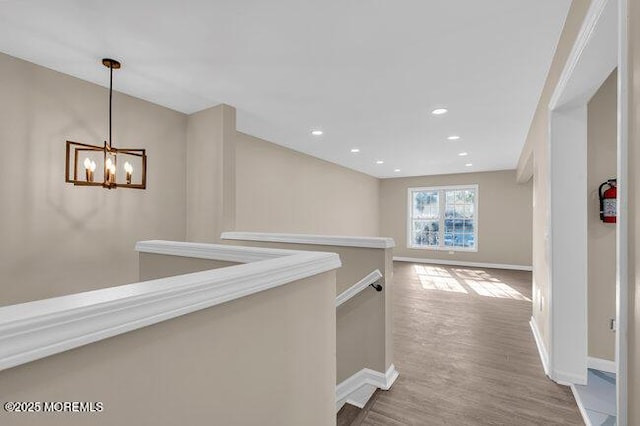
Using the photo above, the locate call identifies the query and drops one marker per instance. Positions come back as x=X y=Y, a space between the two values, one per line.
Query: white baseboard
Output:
x=461 y=263
x=581 y=407
x=568 y=379
x=602 y=364
x=560 y=377
x=358 y=397
x=357 y=389
x=542 y=350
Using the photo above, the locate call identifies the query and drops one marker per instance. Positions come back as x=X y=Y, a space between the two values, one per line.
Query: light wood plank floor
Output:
x=465 y=353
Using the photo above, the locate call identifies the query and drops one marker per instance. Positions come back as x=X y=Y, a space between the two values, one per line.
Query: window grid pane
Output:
x=459 y=218
x=453 y=226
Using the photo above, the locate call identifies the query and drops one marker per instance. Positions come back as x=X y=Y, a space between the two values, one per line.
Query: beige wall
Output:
x=59 y=239
x=504 y=216
x=364 y=323
x=536 y=152
x=153 y=266
x=266 y=359
x=211 y=173
x=601 y=165
x=280 y=190
x=56 y=238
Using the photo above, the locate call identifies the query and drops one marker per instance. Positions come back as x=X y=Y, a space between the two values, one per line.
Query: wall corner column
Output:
x=211 y=169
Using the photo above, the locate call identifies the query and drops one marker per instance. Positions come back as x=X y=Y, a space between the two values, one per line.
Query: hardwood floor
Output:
x=465 y=353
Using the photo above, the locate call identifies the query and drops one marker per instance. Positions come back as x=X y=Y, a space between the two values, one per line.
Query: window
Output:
x=443 y=218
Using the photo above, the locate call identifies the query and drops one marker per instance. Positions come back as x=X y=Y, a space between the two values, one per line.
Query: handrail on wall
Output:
x=369 y=280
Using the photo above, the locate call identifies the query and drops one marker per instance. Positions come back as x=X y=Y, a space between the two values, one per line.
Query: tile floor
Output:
x=598 y=397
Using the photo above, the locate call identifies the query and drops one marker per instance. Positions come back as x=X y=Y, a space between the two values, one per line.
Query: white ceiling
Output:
x=366 y=72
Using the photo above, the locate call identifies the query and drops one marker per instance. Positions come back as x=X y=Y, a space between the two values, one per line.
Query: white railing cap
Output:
x=325 y=240
x=221 y=252
x=33 y=330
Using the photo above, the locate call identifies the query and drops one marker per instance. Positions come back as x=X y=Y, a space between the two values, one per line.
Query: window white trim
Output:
x=441 y=206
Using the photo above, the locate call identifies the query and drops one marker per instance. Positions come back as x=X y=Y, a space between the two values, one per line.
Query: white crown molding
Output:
x=357 y=389
x=371 y=278
x=542 y=350
x=462 y=263
x=37 y=329
x=220 y=252
x=325 y=240
x=602 y=364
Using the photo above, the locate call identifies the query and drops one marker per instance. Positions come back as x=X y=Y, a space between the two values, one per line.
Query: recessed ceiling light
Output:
x=354 y=150
x=379 y=162
x=453 y=138
x=439 y=111
x=463 y=154
x=469 y=164
x=396 y=170
x=317 y=132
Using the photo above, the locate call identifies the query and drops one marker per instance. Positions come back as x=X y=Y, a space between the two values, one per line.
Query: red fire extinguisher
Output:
x=608 y=209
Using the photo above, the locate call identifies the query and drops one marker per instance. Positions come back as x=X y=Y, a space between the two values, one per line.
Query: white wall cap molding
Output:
x=365 y=282
x=37 y=329
x=220 y=252
x=462 y=263
x=350 y=388
x=325 y=240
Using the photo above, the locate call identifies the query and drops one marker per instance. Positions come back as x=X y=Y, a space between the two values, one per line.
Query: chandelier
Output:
x=90 y=161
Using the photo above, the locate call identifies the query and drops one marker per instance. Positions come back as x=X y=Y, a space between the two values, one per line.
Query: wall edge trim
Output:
x=596 y=8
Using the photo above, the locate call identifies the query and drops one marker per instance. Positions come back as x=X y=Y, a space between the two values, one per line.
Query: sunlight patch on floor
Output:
x=438 y=278
x=432 y=271
x=495 y=289
x=457 y=280
x=441 y=283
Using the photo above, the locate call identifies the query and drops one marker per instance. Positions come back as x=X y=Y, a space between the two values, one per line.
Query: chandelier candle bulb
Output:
x=110 y=170
x=90 y=167
x=107 y=169
x=128 y=168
